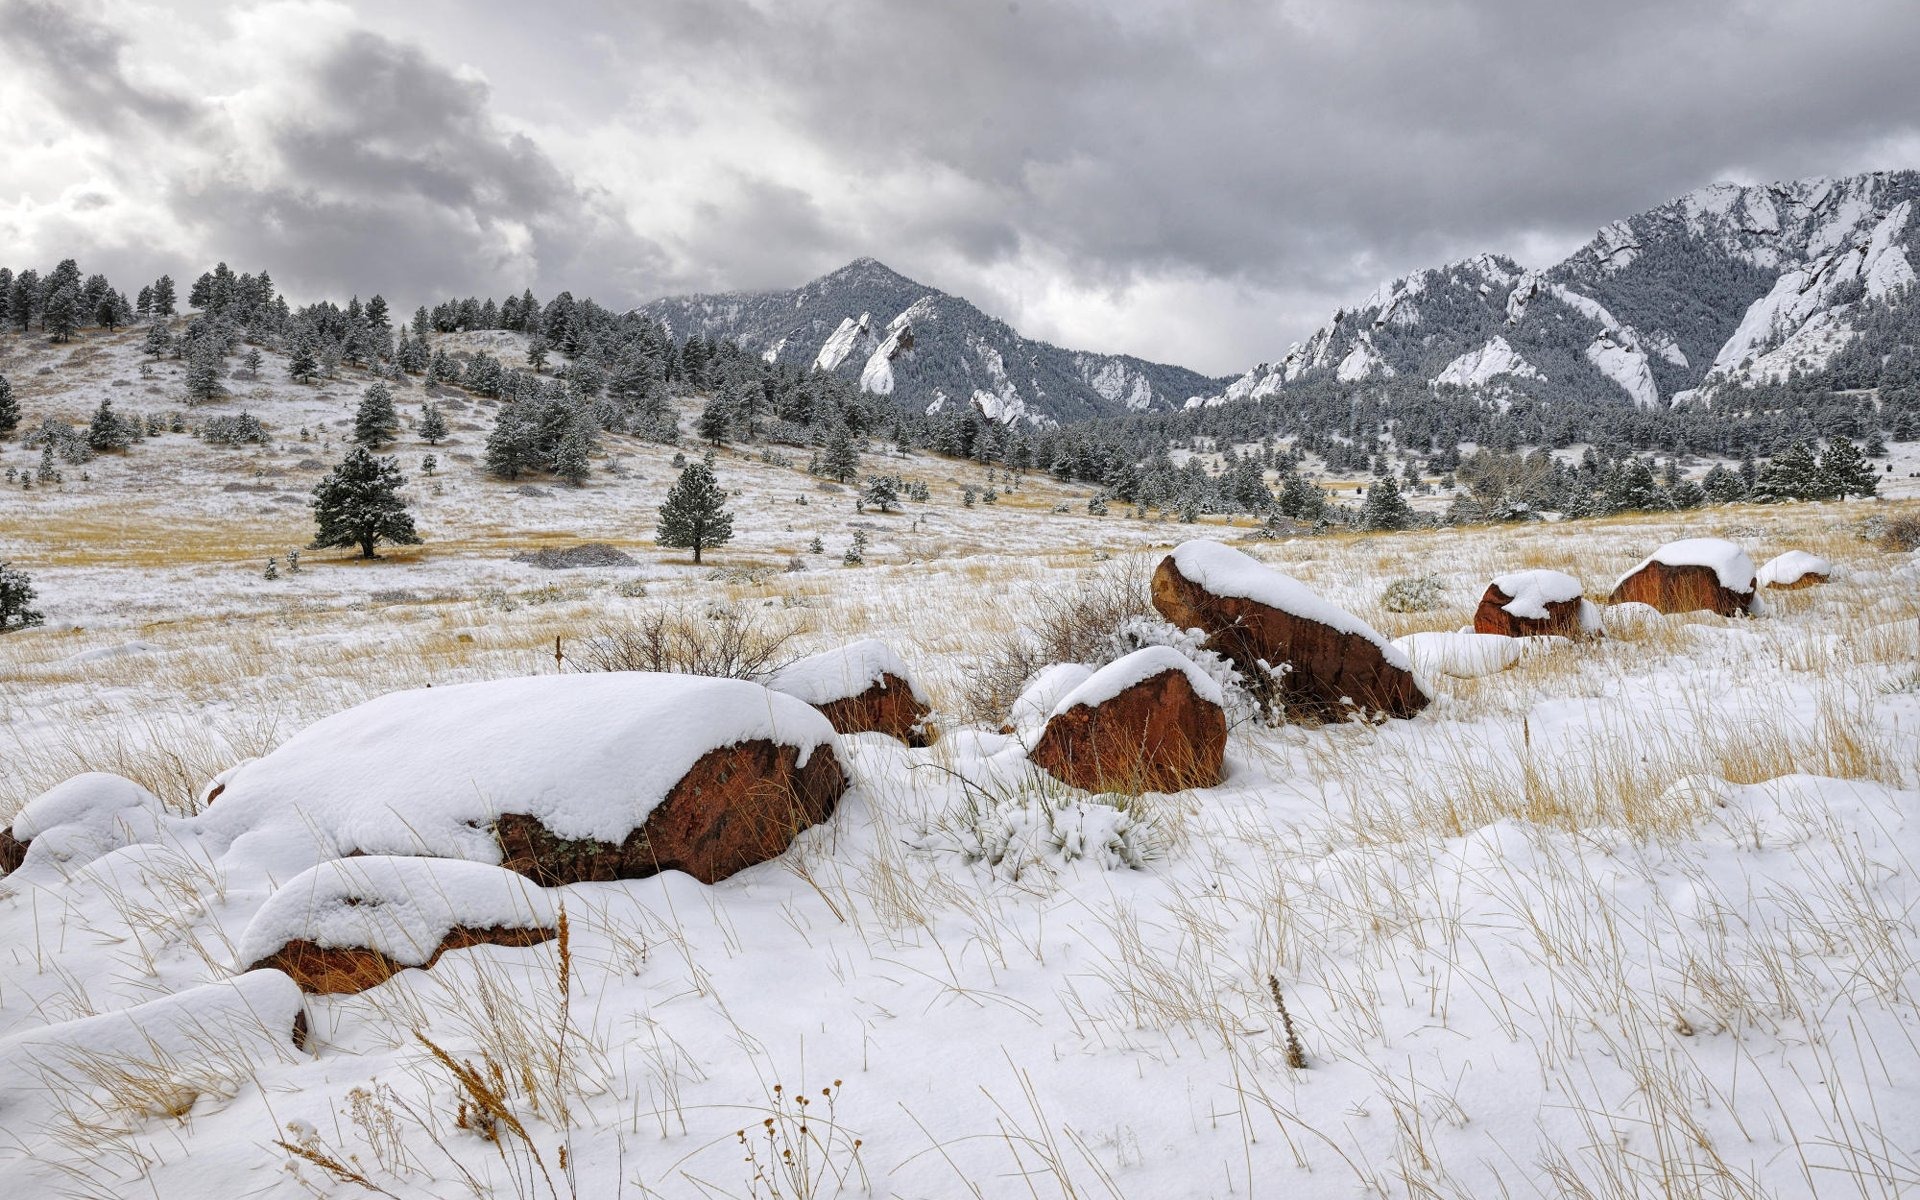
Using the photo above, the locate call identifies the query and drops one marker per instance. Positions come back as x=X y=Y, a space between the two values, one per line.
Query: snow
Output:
x=1533 y=590
x=1112 y=379
x=1727 y=560
x=841 y=342
x=1225 y=571
x=402 y=907
x=201 y=1040
x=1143 y=664
x=426 y=771
x=1463 y=655
x=1626 y=364
x=1796 y=313
x=1362 y=362
x=1477 y=368
x=841 y=673
x=1043 y=693
x=81 y=820
x=1791 y=567
x=877 y=376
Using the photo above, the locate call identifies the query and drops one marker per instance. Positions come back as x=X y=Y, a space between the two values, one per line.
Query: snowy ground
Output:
x=1633 y=918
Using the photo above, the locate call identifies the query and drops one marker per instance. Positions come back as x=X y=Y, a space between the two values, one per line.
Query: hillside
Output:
x=928 y=350
x=1726 y=287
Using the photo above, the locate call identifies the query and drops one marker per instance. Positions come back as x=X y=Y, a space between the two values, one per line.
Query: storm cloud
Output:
x=1200 y=183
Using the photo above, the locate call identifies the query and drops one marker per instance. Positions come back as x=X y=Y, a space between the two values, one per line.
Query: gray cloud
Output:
x=1199 y=182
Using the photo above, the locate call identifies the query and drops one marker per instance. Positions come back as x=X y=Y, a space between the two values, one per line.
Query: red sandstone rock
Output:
x=1337 y=664
x=1148 y=726
x=739 y=805
x=333 y=970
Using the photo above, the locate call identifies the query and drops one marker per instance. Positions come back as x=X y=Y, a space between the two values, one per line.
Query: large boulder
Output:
x=862 y=687
x=1149 y=722
x=353 y=923
x=563 y=778
x=1335 y=664
x=1793 y=570
x=1696 y=574
x=1535 y=603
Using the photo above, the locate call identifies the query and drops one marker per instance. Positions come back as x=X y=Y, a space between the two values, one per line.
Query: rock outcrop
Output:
x=863 y=687
x=354 y=923
x=1149 y=722
x=738 y=805
x=1535 y=604
x=1698 y=574
x=1333 y=664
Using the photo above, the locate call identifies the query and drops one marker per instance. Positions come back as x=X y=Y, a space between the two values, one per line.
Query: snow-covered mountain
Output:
x=928 y=349
x=1725 y=286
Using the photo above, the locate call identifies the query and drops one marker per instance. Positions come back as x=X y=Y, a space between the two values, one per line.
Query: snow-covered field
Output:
x=1633 y=917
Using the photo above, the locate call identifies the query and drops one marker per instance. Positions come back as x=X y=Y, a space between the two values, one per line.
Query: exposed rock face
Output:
x=862 y=687
x=739 y=805
x=335 y=969
x=1678 y=589
x=888 y=707
x=1337 y=664
x=1155 y=735
x=13 y=851
x=1535 y=603
x=1794 y=570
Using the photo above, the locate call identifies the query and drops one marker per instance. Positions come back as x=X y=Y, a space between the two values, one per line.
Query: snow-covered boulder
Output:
x=1336 y=663
x=79 y=820
x=1689 y=576
x=862 y=687
x=1535 y=603
x=563 y=778
x=1462 y=655
x=203 y=1041
x=1150 y=722
x=1794 y=569
x=1036 y=703
x=352 y=923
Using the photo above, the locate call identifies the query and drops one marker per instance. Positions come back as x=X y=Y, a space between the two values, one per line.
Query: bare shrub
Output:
x=1058 y=625
x=1900 y=532
x=720 y=641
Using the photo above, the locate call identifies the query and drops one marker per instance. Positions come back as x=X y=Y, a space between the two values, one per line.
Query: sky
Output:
x=1198 y=183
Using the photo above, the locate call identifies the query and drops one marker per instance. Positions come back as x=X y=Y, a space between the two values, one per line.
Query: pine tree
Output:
x=882 y=492
x=571 y=460
x=1301 y=499
x=62 y=314
x=1723 y=486
x=252 y=361
x=1792 y=475
x=359 y=504
x=16 y=597
x=203 y=372
x=302 y=364
x=1385 y=508
x=375 y=423
x=433 y=424
x=163 y=297
x=838 y=458
x=108 y=430
x=1631 y=488
x=694 y=516
x=1844 y=471
x=714 y=421
x=159 y=341
x=510 y=447
x=9 y=410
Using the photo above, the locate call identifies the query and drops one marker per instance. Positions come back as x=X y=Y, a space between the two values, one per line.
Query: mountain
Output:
x=1727 y=286
x=928 y=349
